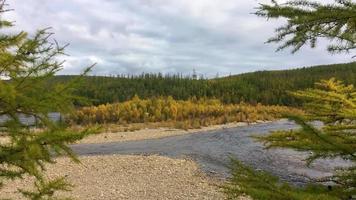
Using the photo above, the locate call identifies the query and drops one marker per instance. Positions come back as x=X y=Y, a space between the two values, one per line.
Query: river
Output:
x=212 y=151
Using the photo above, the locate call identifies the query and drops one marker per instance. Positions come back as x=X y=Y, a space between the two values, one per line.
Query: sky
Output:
x=214 y=37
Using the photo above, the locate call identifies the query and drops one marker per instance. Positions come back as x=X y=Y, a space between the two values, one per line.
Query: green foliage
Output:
x=26 y=65
x=262 y=186
x=331 y=102
x=334 y=104
x=46 y=190
x=307 y=21
x=266 y=87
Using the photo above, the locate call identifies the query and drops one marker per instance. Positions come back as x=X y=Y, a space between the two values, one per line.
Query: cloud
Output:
x=168 y=36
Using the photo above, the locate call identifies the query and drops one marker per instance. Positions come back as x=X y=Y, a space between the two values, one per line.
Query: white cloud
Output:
x=169 y=36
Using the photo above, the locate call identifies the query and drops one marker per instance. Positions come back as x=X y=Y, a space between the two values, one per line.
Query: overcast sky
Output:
x=168 y=36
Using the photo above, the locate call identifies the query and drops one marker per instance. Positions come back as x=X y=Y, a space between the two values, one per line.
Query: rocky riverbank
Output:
x=114 y=177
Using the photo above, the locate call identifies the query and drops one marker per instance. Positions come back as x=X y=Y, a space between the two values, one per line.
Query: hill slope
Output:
x=267 y=87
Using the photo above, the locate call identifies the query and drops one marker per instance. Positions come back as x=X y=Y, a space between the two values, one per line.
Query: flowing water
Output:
x=213 y=149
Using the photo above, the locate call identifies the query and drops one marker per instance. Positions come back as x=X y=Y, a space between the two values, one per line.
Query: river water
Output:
x=30 y=120
x=212 y=151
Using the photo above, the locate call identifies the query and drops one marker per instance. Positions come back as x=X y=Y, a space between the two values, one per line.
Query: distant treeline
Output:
x=266 y=87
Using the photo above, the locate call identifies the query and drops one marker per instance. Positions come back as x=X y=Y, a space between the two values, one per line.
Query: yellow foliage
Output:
x=198 y=112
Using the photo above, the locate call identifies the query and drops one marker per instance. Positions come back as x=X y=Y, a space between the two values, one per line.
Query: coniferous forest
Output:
x=265 y=135
x=266 y=87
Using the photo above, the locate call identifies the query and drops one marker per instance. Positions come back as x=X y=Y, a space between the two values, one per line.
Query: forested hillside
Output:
x=266 y=87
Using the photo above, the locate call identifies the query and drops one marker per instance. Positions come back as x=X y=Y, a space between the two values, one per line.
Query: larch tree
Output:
x=27 y=63
x=308 y=21
x=330 y=102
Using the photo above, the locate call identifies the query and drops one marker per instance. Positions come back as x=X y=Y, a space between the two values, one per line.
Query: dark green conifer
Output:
x=334 y=104
x=330 y=101
x=308 y=21
x=26 y=65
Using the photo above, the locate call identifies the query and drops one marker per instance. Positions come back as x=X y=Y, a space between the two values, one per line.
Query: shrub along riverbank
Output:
x=191 y=113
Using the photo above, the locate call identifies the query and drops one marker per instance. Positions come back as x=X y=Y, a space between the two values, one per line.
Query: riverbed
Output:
x=213 y=150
